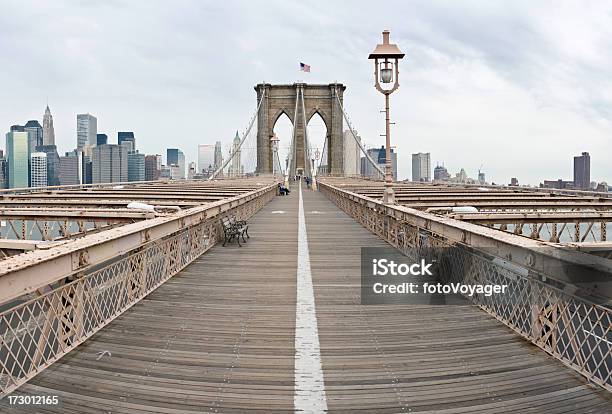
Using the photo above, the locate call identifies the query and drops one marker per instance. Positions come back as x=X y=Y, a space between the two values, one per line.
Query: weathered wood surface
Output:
x=219 y=337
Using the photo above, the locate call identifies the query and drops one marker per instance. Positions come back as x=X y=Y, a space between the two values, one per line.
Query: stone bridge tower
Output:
x=279 y=99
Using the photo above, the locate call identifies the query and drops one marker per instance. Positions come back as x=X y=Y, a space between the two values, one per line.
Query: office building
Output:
x=109 y=164
x=164 y=172
x=136 y=166
x=35 y=134
x=70 y=169
x=87 y=168
x=175 y=172
x=18 y=158
x=558 y=184
x=481 y=177
x=218 y=155
x=462 y=178
x=192 y=170
x=582 y=171
x=152 y=171
x=3 y=172
x=441 y=173
x=158 y=157
x=206 y=157
x=421 y=167
x=514 y=182
x=175 y=156
x=126 y=138
x=53 y=163
x=181 y=163
x=48 y=131
x=101 y=139
x=38 y=169
x=87 y=130
x=172 y=156
x=352 y=154
x=379 y=156
x=235 y=168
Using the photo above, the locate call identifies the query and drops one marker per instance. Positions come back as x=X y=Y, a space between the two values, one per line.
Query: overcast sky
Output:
x=519 y=86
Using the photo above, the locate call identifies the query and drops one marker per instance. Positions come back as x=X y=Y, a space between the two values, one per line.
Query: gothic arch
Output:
x=279 y=99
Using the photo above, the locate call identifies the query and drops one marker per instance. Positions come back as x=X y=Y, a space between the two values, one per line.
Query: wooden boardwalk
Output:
x=220 y=337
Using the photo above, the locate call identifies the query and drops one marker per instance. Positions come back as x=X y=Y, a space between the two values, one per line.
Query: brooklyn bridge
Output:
x=120 y=297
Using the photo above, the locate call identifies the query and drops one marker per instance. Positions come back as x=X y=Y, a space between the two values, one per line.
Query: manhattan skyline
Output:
x=520 y=88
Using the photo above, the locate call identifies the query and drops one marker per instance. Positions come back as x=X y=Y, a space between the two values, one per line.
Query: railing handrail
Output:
x=534 y=254
x=571 y=328
x=24 y=273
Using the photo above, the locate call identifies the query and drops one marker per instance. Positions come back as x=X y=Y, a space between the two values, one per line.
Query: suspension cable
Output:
x=307 y=167
x=293 y=147
x=323 y=152
x=375 y=165
x=244 y=137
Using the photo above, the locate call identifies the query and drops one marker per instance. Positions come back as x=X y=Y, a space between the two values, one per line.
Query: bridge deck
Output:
x=220 y=337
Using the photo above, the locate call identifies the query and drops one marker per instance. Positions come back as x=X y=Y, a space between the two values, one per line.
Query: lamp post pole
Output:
x=386 y=58
x=389 y=194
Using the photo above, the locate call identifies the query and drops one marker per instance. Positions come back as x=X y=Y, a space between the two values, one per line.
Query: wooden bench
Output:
x=233 y=228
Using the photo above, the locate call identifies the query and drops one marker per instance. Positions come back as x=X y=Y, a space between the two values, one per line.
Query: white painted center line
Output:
x=309 y=384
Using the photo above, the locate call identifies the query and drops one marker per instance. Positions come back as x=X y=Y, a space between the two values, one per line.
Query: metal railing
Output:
x=538 y=306
x=38 y=332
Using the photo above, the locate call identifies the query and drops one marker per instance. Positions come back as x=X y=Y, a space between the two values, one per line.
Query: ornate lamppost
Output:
x=386 y=58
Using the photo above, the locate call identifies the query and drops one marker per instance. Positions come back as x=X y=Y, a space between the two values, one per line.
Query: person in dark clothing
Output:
x=282 y=190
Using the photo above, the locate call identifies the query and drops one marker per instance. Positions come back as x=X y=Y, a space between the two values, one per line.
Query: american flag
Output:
x=304 y=67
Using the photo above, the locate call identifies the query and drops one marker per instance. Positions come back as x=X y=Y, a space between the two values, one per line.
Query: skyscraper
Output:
x=86 y=168
x=352 y=154
x=87 y=130
x=48 y=131
x=53 y=163
x=191 y=171
x=35 y=134
x=206 y=157
x=181 y=164
x=582 y=171
x=235 y=168
x=421 y=167
x=127 y=137
x=136 y=166
x=218 y=155
x=172 y=156
x=70 y=170
x=175 y=156
x=38 y=169
x=3 y=172
x=18 y=158
x=109 y=164
x=151 y=168
x=175 y=172
x=379 y=155
x=101 y=139
x=441 y=173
